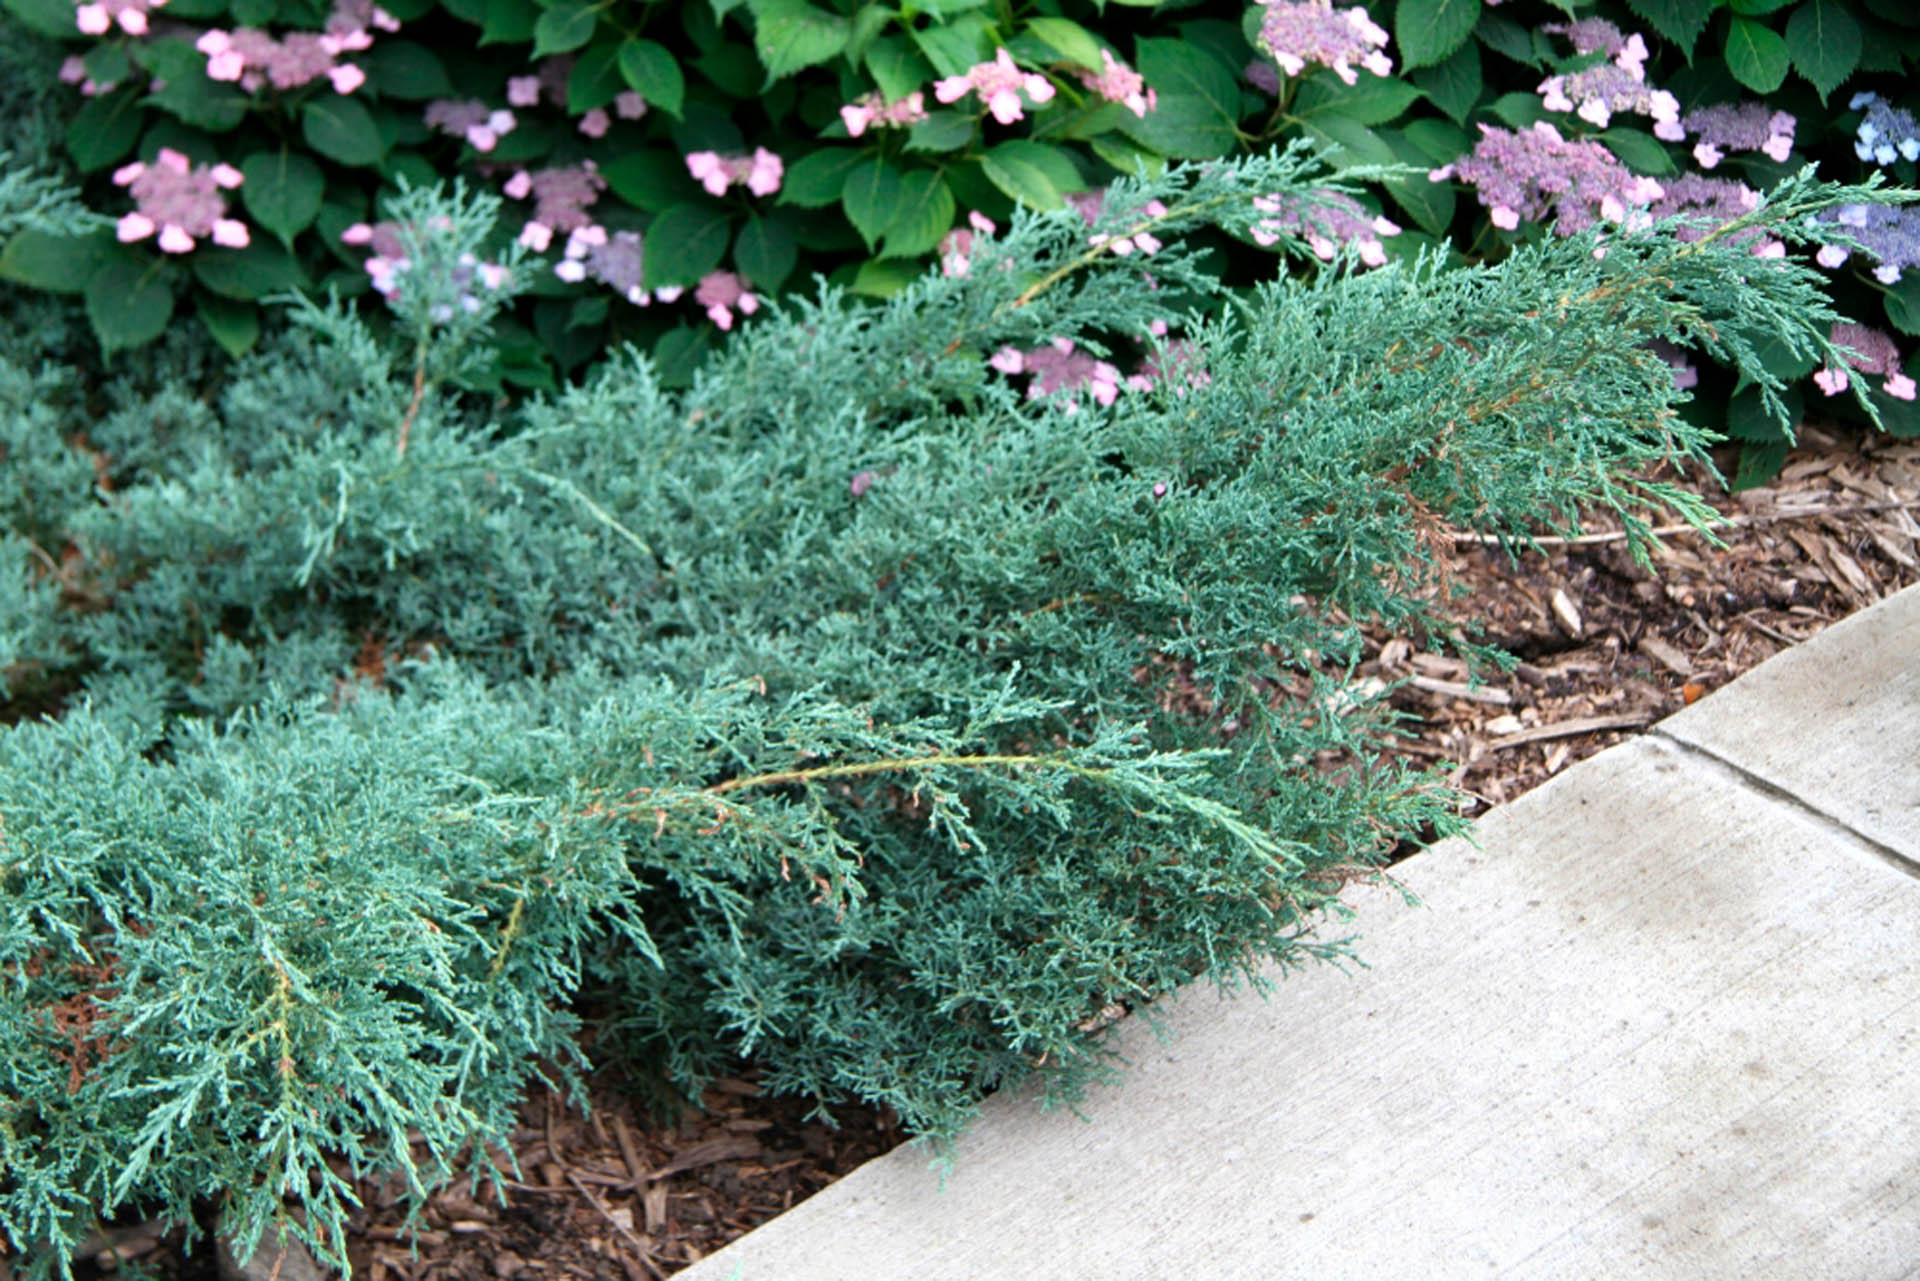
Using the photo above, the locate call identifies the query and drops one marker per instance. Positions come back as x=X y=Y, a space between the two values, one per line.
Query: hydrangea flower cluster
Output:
x=1726 y=126
x=1329 y=220
x=254 y=58
x=1598 y=92
x=1059 y=366
x=391 y=261
x=956 y=247
x=181 y=201
x=1886 y=133
x=760 y=173
x=1873 y=353
x=1717 y=201
x=1120 y=83
x=720 y=292
x=1890 y=234
x=999 y=84
x=1686 y=375
x=871 y=111
x=480 y=125
x=560 y=198
x=1090 y=204
x=1533 y=172
x=1294 y=35
x=97 y=17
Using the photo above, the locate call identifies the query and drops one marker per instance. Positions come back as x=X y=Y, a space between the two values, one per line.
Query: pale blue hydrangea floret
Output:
x=1886 y=133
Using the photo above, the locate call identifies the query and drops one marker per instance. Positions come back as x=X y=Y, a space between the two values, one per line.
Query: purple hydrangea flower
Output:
x=1887 y=133
x=1326 y=220
x=1889 y=234
x=1533 y=172
x=1058 y=366
x=181 y=201
x=1726 y=126
x=1295 y=35
x=1874 y=352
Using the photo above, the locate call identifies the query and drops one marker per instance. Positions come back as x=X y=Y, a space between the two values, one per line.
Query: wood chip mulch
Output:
x=1605 y=648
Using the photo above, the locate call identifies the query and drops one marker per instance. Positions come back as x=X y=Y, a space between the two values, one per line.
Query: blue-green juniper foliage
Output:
x=340 y=779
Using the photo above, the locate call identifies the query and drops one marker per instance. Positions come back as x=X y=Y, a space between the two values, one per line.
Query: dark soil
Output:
x=1606 y=648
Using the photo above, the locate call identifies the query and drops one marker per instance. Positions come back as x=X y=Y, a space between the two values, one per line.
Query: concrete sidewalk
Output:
x=1664 y=1022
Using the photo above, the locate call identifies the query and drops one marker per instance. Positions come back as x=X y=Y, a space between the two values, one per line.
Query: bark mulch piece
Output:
x=1605 y=647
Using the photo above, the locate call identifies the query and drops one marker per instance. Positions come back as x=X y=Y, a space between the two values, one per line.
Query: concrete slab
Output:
x=1835 y=722
x=1658 y=1025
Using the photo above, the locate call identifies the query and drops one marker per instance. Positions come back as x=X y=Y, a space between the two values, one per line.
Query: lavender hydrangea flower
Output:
x=1888 y=234
x=1874 y=352
x=612 y=259
x=1726 y=126
x=1887 y=133
x=391 y=263
x=1598 y=93
x=1533 y=172
x=1294 y=35
x=471 y=119
x=181 y=201
x=1326 y=221
x=561 y=198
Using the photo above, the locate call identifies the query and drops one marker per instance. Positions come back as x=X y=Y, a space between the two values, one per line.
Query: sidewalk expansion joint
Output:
x=1861 y=843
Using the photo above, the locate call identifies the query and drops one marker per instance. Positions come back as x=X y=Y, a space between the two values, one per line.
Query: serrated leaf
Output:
x=595 y=79
x=234 y=325
x=406 y=71
x=1373 y=101
x=508 y=21
x=1439 y=143
x=1825 y=42
x=57 y=264
x=1070 y=40
x=791 y=34
x=651 y=180
x=1679 y=21
x=1759 y=463
x=262 y=268
x=1755 y=55
x=129 y=303
x=1354 y=143
x=563 y=28
x=1031 y=172
x=1506 y=38
x=1748 y=419
x=1454 y=86
x=925 y=214
x=654 y=74
x=818 y=178
x=1640 y=152
x=191 y=98
x=954 y=46
x=1518 y=110
x=282 y=190
x=1903 y=303
x=1198 y=102
x=52 y=18
x=896 y=66
x=683 y=244
x=765 y=252
x=942 y=131
x=878 y=279
x=1757 y=8
x=869 y=195
x=1429 y=204
x=339 y=128
x=104 y=130
x=1428 y=31
x=1126 y=157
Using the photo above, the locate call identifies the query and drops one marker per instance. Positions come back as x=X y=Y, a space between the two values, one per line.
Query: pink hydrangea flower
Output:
x=629 y=105
x=73 y=71
x=181 y=201
x=760 y=173
x=956 y=247
x=1120 y=83
x=595 y=123
x=99 y=16
x=254 y=58
x=1874 y=352
x=871 y=111
x=1326 y=222
x=720 y=292
x=998 y=84
x=523 y=91
x=561 y=199
x=1294 y=35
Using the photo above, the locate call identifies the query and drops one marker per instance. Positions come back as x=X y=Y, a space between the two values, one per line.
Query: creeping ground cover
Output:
x=363 y=729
